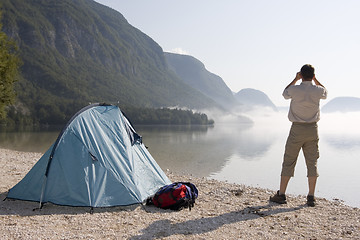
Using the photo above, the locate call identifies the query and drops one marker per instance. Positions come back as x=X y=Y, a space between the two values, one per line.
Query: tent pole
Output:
x=42 y=192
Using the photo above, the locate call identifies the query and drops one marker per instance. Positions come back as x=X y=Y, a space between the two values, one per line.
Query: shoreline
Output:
x=222 y=211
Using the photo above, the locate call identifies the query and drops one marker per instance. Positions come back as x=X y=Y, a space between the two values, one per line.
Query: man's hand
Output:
x=297 y=78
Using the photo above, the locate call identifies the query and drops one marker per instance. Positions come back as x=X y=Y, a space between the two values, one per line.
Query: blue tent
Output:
x=98 y=160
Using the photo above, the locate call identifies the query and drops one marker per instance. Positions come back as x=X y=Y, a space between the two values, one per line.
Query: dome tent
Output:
x=98 y=160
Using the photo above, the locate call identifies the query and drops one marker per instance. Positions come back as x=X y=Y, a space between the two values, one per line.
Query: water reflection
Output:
x=38 y=141
x=202 y=151
x=343 y=141
x=252 y=144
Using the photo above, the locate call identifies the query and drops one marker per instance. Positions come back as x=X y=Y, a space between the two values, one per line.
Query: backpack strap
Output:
x=193 y=195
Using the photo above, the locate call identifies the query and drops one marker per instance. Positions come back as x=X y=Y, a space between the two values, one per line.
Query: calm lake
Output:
x=249 y=154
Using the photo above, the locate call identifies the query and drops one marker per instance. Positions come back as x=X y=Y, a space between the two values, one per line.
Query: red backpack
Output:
x=175 y=196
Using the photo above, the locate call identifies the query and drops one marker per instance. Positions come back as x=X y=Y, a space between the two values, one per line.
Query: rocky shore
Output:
x=222 y=211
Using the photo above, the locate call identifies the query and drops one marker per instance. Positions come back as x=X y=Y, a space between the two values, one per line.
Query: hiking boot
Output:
x=278 y=198
x=310 y=201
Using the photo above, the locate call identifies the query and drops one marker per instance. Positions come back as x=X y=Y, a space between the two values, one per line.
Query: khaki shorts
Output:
x=302 y=136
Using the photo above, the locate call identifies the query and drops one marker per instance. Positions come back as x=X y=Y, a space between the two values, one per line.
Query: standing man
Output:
x=304 y=113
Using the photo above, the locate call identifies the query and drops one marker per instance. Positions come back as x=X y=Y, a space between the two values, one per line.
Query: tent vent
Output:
x=93 y=157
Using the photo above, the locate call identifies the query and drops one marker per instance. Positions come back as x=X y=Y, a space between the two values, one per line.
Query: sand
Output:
x=222 y=211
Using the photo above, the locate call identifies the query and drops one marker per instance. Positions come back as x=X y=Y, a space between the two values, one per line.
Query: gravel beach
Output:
x=222 y=211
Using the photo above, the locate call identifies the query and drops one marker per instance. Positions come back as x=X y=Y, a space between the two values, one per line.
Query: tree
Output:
x=9 y=71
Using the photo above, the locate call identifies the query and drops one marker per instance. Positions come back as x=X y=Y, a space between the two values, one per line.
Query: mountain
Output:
x=252 y=98
x=76 y=52
x=193 y=72
x=342 y=104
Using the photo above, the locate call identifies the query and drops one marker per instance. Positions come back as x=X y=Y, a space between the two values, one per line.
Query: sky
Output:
x=258 y=44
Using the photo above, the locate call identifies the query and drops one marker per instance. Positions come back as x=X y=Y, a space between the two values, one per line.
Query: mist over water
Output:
x=338 y=163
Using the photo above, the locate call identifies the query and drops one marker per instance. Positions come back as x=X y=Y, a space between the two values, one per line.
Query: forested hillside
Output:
x=76 y=52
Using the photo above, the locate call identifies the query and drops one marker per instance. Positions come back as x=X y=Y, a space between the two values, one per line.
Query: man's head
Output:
x=307 y=72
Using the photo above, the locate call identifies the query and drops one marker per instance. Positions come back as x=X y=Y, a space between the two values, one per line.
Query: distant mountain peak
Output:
x=252 y=98
x=342 y=104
